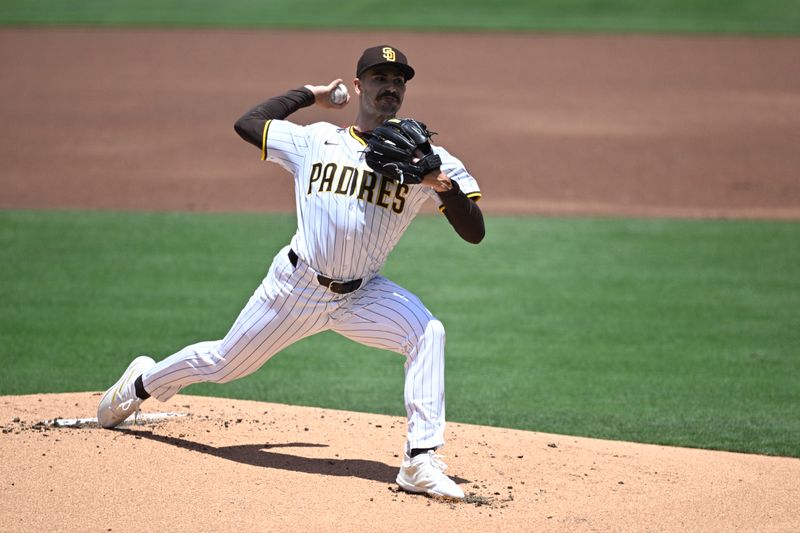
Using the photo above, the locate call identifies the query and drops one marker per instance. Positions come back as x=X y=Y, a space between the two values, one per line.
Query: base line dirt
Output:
x=234 y=465
x=549 y=124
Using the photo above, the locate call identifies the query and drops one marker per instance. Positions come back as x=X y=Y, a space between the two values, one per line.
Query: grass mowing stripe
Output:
x=665 y=331
x=743 y=16
x=637 y=328
x=82 y=291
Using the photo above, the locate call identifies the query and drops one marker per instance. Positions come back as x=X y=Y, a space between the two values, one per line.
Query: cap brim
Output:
x=407 y=71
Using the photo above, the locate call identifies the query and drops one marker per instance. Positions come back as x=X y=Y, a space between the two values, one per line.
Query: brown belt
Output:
x=339 y=287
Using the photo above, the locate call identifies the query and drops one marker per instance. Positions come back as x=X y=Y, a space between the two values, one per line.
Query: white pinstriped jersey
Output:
x=348 y=217
x=348 y=220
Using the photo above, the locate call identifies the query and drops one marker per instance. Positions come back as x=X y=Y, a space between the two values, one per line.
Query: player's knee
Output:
x=429 y=341
x=434 y=331
x=429 y=337
x=215 y=365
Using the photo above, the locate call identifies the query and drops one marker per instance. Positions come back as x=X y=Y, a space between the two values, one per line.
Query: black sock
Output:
x=140 y=392
x=417 y=451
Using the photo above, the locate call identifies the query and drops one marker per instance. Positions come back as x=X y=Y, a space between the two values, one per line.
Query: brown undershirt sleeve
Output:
x=463 y=214
x=250 y=126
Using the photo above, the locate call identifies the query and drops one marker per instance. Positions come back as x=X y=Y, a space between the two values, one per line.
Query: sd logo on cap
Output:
x=384 y=55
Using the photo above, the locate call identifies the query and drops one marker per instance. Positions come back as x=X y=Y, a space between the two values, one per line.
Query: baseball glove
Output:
x=392 y=150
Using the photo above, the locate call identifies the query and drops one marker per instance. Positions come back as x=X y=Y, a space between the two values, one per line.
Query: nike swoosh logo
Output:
x=331 y=142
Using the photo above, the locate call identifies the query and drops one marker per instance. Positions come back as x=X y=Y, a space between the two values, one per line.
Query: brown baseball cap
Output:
x=384 y=55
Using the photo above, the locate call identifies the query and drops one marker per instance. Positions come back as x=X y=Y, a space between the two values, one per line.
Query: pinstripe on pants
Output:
x=290 y=305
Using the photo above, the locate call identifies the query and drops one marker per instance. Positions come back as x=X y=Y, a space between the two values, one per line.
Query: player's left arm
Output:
x=461 y=210
x=458 y=193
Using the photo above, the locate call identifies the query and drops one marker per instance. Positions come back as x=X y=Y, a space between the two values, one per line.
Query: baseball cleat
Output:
x=120 y=401
x=425 y=474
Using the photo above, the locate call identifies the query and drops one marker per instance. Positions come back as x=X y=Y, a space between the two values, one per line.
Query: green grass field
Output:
x=664 y=331
x=706 y=16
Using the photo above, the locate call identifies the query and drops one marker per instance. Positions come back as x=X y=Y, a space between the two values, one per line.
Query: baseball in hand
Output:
x=339 y=94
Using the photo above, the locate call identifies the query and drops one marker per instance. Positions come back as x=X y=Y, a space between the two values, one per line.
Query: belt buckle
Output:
x=338 y=287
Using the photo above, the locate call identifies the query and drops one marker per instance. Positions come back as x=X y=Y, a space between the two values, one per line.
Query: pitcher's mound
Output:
x=232 y=465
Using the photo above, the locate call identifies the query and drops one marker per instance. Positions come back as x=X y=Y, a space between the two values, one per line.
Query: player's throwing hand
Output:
x=331 y=96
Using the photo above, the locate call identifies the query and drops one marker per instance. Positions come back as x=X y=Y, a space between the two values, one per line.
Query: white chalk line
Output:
x=81 y=422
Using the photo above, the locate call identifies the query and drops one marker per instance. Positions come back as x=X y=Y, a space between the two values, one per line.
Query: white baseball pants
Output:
x=290 y=305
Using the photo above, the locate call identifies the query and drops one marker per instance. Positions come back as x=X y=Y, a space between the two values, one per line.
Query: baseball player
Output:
x=349 y=217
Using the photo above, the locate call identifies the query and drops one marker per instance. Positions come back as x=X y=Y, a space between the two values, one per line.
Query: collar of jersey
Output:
x=354 y=134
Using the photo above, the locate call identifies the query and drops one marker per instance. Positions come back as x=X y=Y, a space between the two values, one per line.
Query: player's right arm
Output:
x=250 y=126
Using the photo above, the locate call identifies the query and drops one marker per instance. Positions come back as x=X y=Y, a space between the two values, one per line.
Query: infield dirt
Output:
x=142 y=119
x=250 y=466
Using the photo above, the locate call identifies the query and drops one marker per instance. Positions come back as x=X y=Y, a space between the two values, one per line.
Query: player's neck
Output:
x=368 y=122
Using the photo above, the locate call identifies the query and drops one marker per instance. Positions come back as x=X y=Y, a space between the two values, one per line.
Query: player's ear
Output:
x=357 y=86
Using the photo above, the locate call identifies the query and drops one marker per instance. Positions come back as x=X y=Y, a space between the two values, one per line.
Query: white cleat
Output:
x=425 y=474
x=120 y=401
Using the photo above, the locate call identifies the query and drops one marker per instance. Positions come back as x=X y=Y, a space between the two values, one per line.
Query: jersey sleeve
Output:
x=285 y=143
x=455 y=170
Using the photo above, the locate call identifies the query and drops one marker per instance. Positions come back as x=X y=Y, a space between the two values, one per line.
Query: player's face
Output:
x=382 y=90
